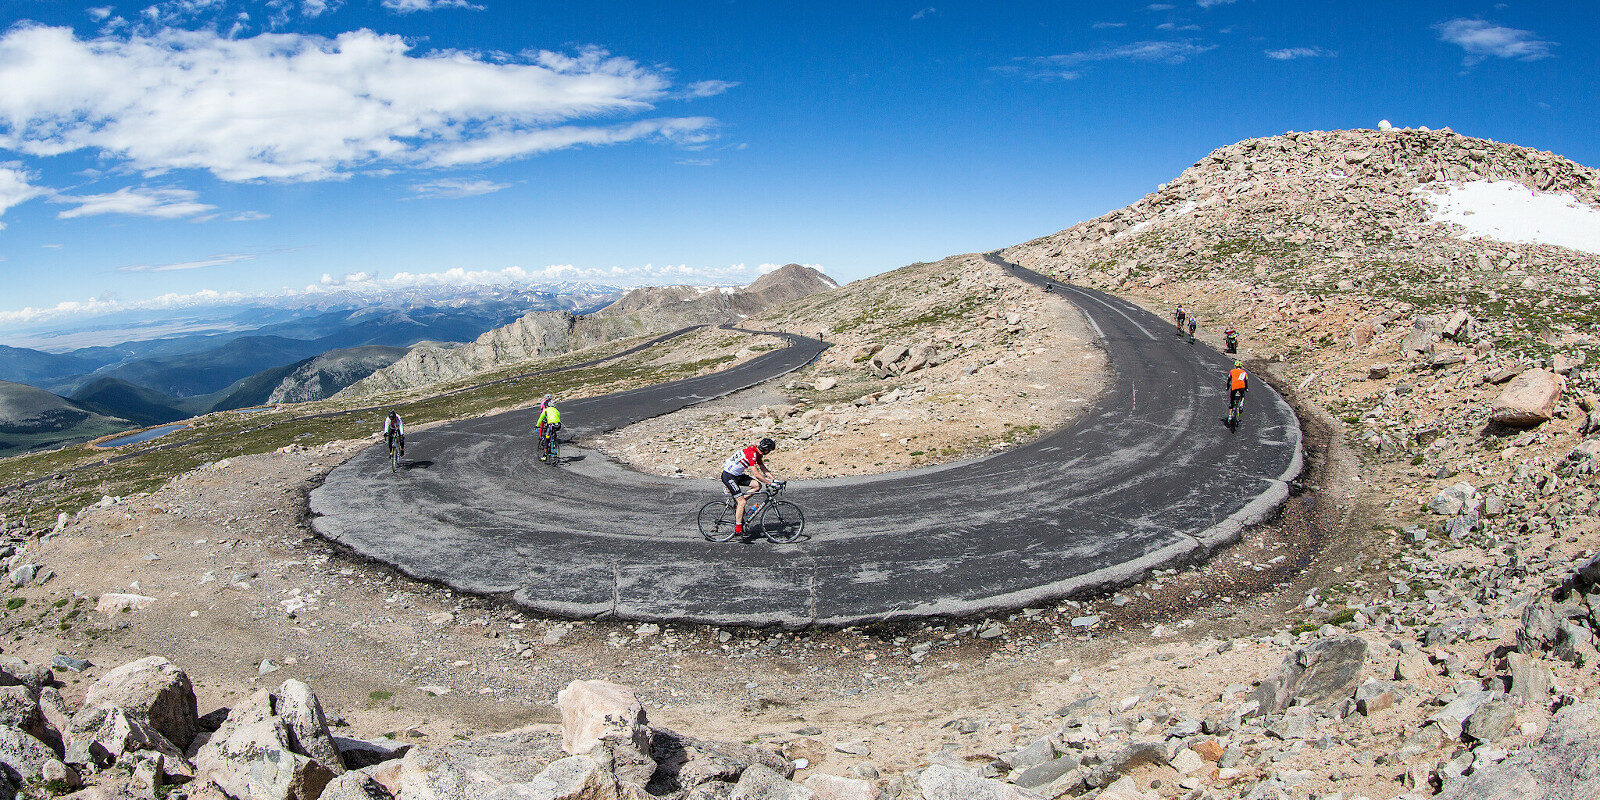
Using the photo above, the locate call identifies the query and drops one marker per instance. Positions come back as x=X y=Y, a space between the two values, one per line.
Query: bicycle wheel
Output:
x=394 y=459
x=555 y=451
x=782 y=522
x=716 y=521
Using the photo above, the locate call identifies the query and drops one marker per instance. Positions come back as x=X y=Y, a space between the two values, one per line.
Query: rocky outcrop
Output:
x=326 y=375
x=650 y=310
x=1564 y=764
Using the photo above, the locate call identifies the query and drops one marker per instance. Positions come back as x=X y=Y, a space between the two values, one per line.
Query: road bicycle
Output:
x=779 y=520
x=1235 y=411
x=549 y=446
x=396 y=444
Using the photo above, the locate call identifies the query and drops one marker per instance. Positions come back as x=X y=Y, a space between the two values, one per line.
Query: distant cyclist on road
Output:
x=549 y=424
x=1194 y=322
x=1238 y=384
x=394 y=432
x=736 y=476
x=1181 y=316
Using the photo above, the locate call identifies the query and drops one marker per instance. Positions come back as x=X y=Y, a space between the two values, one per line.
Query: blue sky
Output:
x=214 y=146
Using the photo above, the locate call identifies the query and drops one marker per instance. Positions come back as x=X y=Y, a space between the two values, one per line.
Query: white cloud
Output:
x=107 y=305
x=1100 y=26
x=1483 y=40
x=297 y=107
x=925 y=13
x=1068 y=66
x=15 y=188
x=1292 y=53
x=135 y=201
x=1210 y=3
x=412 y=6
x=700 y=89
x=452 y=188
x=98 y=13
x=221 y=259
x=1173 y=26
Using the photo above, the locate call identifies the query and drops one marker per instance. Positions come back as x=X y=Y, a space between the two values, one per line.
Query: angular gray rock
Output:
x=22 y=757
x=1530 y=679
x=683 y=762
x=153 y=690
x=1324 y=671
x=294 y=703
x=250 y=733
x=355 y=786
x=760 y=782
x=940 y=782
x=1565 y=764
x=1492 y=721
x=281 y=775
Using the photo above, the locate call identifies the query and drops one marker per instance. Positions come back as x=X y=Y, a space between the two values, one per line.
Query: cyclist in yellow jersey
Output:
x=549 y=422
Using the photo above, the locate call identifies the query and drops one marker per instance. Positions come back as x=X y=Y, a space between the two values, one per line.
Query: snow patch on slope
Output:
x=1511 y=212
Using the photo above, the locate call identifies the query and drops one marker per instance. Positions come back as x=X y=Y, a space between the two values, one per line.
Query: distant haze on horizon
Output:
x=172 y=154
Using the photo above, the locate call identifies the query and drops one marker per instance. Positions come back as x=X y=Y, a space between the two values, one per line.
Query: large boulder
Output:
x=16 y=672
x=302 y=715
x=279 y=774
x=601 y=713
x=355 y=786
x=22 y=757
x=154 y=691
x=1564 y=764
x=1327 y=670
x=940 y=782
x=1528 y=400
x=251 y=732
x=762 y=783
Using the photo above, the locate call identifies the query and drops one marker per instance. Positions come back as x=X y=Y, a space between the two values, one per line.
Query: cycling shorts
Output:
x=735 y=484
x=1235 y=395
x=551 y=428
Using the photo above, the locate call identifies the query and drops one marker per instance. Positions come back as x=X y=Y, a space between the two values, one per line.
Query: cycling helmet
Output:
x=548 y=398
x=1238 y=363
x=766 y=445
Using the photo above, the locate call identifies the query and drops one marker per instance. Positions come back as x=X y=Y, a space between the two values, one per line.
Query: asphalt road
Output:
x=1148 y=478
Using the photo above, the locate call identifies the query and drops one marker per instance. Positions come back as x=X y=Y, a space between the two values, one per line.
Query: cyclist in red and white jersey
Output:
x=737 y=476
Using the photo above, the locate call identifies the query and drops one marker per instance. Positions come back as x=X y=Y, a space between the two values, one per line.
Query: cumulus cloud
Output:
x=1483 y=40
x=412 y=6
x=15 y=188
x=1292 y=53
x=1069 y=66
x=297 y=107
x=454 y=188
x=137 y=201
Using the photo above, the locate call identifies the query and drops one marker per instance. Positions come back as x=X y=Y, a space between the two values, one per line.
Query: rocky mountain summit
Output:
x=644 y=311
